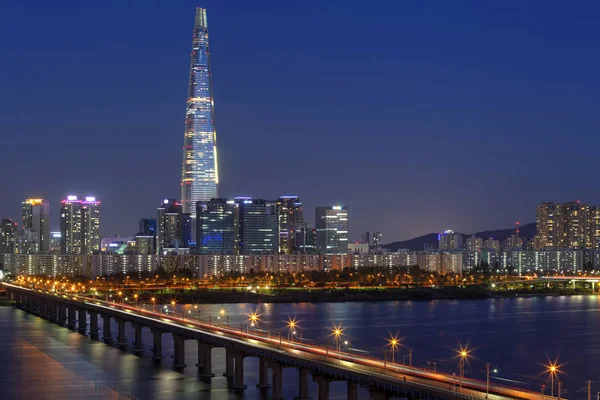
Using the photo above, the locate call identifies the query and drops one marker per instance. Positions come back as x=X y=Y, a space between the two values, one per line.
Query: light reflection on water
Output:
x=516 y=335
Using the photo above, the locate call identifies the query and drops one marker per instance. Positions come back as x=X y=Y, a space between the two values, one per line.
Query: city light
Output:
x=254 y=318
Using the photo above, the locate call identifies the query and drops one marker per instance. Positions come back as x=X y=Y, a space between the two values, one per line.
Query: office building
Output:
x=8 y=236
x=169 y=227
x=199 y=176
x=377 y=239
x=306 y=240
x=216 y=228
x=332 y=229
x=36 y=224
x=365 y=237
x=450 y=240
x=147 y=226
x=79 y=225
x=257 y=226
x=290 y=215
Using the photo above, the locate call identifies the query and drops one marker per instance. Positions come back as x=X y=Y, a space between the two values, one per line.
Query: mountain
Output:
x=418 y=243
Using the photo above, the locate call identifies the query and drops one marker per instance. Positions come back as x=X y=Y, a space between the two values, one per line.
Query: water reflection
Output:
x=45 y=361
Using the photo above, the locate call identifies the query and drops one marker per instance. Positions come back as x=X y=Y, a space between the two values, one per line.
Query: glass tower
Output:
x=199 y=177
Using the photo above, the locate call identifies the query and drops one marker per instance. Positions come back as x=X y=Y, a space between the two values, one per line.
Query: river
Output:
x=517 y=336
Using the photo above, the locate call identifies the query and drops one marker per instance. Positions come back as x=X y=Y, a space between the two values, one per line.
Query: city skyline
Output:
x=145 y=167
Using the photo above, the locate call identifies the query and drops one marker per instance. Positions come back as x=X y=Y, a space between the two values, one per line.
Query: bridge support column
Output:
x=302 y=384
x=378 y=395
x=81 y=321
x=94 y=325
x=107 y=334
x=229 y=364
x=138 y=345
x=50 y=311
x=239 y=371
x=179 y=353
x=352 y=391
x=71 y=318
x=277 y=380
x=204 y=360
x=263 y=374
x=156 y=345
x=62 y=314
x=323 y=383
x=121 y=338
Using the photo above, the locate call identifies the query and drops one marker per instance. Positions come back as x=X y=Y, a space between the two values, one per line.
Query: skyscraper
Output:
x=199 y=177
x=216 y=227
x=257 y=226
x=79 y=225
x=332 y=229
x=290 y=219
x=8 y=236
x=169 y=221
x=36 y=222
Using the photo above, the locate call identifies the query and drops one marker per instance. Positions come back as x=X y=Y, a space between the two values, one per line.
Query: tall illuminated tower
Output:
x=199 y=177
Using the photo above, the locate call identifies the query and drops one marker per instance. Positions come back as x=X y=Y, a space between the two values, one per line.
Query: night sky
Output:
x=420 y=116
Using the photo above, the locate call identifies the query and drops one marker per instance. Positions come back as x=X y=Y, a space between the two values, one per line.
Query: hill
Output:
x=418 y=243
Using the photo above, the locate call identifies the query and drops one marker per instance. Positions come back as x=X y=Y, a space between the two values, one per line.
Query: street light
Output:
x=153 y=300
x=393 y=342
x=254 y=318
x=292 y=324
x=336 y=332
x=463 y=353
x=552 y=368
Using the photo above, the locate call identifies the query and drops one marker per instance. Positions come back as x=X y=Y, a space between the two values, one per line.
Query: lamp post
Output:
x=487 y=383
x=292 y=324
x=336 y=332
x=393 y=344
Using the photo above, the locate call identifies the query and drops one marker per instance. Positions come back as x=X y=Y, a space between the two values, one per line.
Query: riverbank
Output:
x=222 y=296
x=215 y=296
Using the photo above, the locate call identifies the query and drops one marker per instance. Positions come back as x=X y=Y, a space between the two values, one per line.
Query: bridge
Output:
x=383 y=379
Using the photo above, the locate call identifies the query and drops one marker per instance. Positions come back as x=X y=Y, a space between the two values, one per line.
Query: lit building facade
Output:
x=36 y=219
x=290 y=216
x=199 y=176
x=257 y=222
x=8 y=236
x=169 y=226
x=79 y=225
x=90 y=223
x=332 y=229
x=450 y=240
x=216 y=227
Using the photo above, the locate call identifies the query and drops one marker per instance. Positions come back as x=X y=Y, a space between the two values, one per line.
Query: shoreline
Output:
x=343 y=296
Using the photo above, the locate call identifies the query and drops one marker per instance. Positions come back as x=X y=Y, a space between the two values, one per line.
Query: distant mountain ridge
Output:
x=418 y=243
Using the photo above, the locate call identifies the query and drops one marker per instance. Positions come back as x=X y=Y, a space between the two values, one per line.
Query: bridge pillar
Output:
x=204 y=360
x=229 y=364
x=107 y=334
x=121 y=337
x=179 y=352
x=94 y=325
x=302 y=384
x=49 y=311
x=323 y=383
x=263 y=374
x=378 y=395
x=81 y=321
x=239 y=371
x=62 y=314
x=277 y=380
x=71 y=318
x=352 y=391
x=138 y=345
x=156 y=345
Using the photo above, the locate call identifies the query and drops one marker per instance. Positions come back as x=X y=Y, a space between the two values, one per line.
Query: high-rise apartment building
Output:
x=290 y=216
x=474 y=243
x=169 y=226
x=8 y=236
x=90 y=223
x=216 y=227
x=365 y=237
x=377 y=239
x=568 y=225
x=79 y=225
x=199 y=176
x=332 y=229
x=257 y=226
x=36 y=223
x=450 y=240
